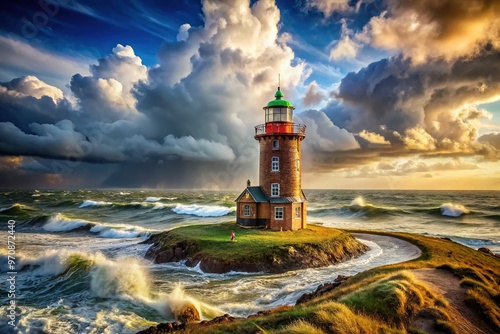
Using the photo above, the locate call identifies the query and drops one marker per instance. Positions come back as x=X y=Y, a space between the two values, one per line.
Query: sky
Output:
x=166 y=94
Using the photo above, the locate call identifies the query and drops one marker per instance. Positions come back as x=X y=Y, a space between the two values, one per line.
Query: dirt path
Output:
x=466 y=320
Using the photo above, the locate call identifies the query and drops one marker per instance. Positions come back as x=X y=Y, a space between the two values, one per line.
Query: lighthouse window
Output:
x=298 y=164
x=246 y=210
x=276 y=145
x=275 y=189
x=275 y=164
x=277 y=116
x=269 y=115
x=278 y=213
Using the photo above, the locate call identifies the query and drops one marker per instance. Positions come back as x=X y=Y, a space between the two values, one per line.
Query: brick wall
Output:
x=289 y=174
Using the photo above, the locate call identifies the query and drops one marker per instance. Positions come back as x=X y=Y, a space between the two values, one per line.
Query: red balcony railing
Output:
x=280 y=128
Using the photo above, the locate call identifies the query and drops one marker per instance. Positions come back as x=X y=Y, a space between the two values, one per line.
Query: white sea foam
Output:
x=358 y=201
x=453 y=210
x=152 y=199
x=52 y=262
x=123 y=278
x=119 y=231
x=202 y=210
x=88 y=203
x=60 y=223
x=128 y=279
x=159 y=206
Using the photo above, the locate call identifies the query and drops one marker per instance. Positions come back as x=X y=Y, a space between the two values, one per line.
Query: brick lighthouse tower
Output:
x=278 y=203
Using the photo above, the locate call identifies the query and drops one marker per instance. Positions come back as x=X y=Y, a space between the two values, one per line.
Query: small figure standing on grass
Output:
x=232 y=236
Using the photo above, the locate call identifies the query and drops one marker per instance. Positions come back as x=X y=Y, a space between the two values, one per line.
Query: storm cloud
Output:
x=196 y=107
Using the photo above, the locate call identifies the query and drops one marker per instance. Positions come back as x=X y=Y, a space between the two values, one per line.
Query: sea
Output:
x=77 y=261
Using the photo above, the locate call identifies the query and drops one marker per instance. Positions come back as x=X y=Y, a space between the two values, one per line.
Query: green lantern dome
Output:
x=279 y=102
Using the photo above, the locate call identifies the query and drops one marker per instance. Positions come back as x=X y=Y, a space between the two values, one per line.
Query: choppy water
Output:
x=80 y=266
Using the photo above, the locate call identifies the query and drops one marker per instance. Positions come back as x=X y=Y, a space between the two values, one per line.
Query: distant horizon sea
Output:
x=79 y=256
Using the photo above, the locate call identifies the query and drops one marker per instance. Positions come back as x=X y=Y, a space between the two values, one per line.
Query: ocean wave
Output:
x=124 y=278
x=90 y=203
x=152 y=199
x=60 y=223
x=202 y=210
x=15 y=209
x=146 y=204
x=52 y=262
x=453 y=210
x=472 y=242
x=121 y=231
x=66 y=202
x=358 y=205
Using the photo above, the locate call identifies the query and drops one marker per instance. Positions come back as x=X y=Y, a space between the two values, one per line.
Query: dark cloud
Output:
x=431 y=106
x=192 y=113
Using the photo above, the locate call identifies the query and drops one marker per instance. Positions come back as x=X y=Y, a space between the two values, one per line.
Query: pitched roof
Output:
x=259 y=196
x=257 y=193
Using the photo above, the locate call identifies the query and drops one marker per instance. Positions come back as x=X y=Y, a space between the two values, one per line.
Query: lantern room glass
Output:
x=279 y=114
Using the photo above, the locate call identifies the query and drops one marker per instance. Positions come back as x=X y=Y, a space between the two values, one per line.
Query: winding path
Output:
x=465 y=319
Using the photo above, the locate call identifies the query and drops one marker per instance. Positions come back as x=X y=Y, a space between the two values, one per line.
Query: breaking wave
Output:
x=121 y=231
x=16 y=209
x=148 y=203
x=357 y=208
x=91 y=203
x=453 y=210
x=61 y=223
x=125 y=278
x=202 y=210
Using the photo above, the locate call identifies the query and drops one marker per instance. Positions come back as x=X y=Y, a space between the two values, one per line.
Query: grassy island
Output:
x=254 y=249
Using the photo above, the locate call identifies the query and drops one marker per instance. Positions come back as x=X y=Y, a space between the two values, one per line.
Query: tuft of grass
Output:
x=340 y=319
x=395 y=299
x=477 y=299
x=444 y=327
x=300 y=327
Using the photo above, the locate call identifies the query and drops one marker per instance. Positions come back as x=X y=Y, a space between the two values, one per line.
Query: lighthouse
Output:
x=278 y=202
